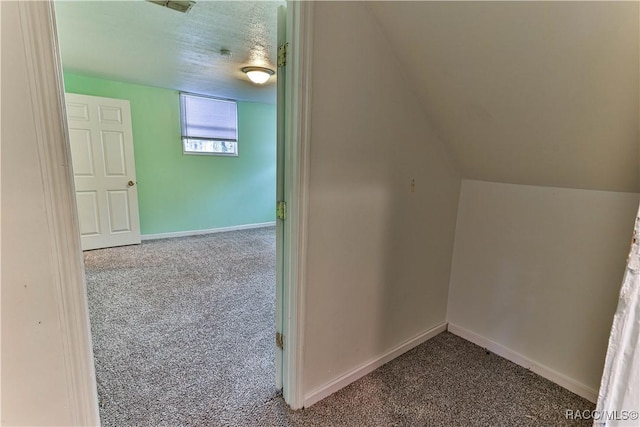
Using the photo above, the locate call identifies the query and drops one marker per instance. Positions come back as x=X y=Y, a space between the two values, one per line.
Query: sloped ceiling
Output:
x=534 y=93
x=140 y=42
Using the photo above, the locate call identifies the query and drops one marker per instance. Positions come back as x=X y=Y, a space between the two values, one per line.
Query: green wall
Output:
x=178 y=192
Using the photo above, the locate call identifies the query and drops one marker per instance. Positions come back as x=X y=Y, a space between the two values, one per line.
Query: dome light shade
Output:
x=258 y=75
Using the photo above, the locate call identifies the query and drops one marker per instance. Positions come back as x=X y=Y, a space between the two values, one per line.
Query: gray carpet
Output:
x=183 y=336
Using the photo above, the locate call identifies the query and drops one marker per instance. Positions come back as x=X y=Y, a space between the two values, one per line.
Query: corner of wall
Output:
x=461 y=188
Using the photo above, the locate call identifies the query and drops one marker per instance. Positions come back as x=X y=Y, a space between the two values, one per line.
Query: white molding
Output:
x=206 y=231
x=371 y=365
x=281 y=113
x=517 y=358
x=296 y=181
x=47 y=98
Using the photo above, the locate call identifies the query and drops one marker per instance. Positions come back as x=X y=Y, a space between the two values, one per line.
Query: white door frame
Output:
x=296 y=187
x=280 y=163
x=48 y=105
x=47 y=93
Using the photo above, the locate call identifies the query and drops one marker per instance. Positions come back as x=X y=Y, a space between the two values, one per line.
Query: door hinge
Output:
x=279 y=340
x=281 y=210
x=282 y=54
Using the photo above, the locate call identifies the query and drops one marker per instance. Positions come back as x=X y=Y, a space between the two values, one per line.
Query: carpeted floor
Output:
x=183 y=336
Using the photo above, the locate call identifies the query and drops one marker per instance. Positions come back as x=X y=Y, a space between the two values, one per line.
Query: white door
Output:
x=104 y=170
x=280 y=160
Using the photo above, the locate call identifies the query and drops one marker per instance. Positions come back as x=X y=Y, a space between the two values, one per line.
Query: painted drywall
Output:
x=379 y=255
x=527 y=92
x=178 y=192
x=34 y=375
x=537 y=270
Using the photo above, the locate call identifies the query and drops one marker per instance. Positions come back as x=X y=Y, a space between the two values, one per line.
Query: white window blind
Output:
x=209 y=125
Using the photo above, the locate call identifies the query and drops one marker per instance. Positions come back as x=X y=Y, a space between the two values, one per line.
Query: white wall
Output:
x=536 y=273
x=378 y=254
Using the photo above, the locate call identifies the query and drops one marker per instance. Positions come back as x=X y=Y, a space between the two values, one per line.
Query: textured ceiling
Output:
x=534 y=93
x=140 y=42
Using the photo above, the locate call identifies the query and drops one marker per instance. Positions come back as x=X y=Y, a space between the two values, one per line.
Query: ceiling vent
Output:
x=180 y=6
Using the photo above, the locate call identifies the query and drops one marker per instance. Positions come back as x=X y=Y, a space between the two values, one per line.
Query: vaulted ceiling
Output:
x=141 y=42
x=536 y=93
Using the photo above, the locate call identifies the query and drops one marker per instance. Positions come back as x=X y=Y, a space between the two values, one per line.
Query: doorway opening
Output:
x=126 y=284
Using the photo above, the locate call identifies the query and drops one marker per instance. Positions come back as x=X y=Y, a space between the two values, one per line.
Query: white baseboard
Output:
x=208 y=231
x=548 y=373
x=371 y=365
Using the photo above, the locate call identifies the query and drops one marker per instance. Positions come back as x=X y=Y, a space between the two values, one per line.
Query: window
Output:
x=209 y=125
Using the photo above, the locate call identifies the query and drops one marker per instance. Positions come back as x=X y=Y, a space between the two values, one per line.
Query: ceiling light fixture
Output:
x=258 y=75
x=183 y=6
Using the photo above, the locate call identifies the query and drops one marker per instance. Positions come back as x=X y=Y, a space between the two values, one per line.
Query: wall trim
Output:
x=206 y=231
x=570 y=384
x=371 y=365
x=47 y=98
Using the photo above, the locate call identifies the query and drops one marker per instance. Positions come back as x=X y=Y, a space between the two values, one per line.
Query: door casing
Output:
x=297 y=133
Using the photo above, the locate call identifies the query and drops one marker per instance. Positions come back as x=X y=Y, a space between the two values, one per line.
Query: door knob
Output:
x=131 y=183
